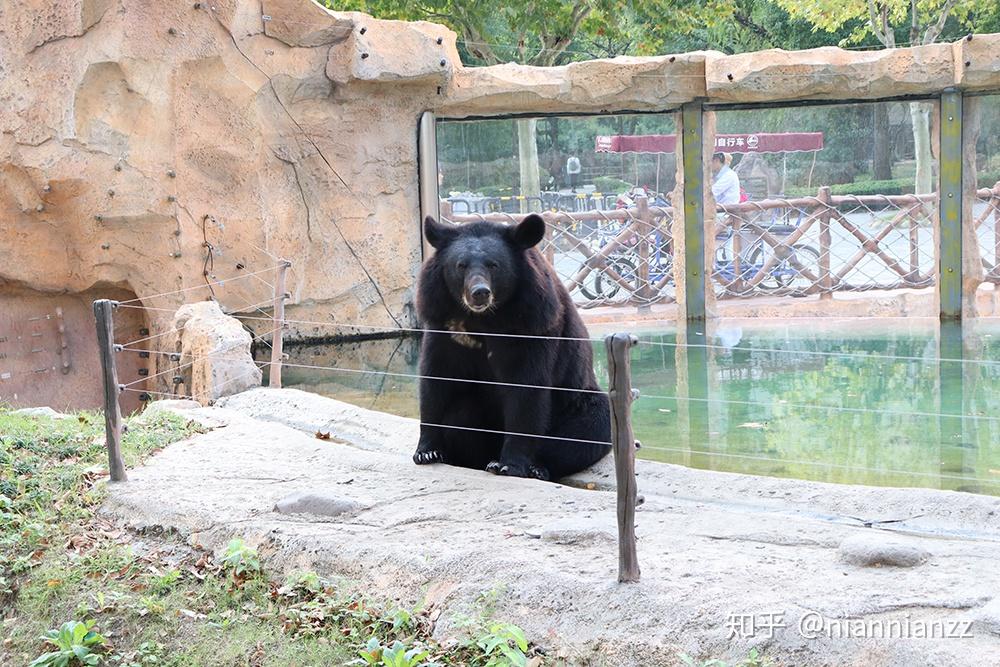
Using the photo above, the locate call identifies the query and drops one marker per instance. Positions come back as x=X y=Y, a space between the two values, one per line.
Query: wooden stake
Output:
x=644 y=225
x=103 y=312
x=277 y=341
x=620 y=393
x=825 y=244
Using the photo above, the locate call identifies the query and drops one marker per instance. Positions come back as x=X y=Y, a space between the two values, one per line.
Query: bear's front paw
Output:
x=428 y=456
x=521 y=470
x=493 y=467
x=539 y=472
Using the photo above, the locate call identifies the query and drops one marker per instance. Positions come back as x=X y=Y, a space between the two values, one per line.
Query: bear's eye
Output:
x=462 y=264
x=490 y=264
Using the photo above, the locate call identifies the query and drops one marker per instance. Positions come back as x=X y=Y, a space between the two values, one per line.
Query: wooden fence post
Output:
x=643 y=223
x=995 y=205
x=825 y=243
x=103 y=313
x=446 y=211
x=738 y=269
x=277 y=340
x=621 y=395
x=550 y=242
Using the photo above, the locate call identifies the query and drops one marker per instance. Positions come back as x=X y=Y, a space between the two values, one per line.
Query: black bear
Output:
x=488 y=278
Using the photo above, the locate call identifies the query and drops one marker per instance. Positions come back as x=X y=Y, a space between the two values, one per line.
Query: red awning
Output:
x=783 y=142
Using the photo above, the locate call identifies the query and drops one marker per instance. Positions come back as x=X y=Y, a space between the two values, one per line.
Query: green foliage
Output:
x=76 y=644
x=895 y=186
x=610 y=185
x=171 y=606
x=240 y=560
x=503 y=644
x=892 y=22
x=753 y=659
x=397 y=655
x=987 y=179
x=50 y=478
x=490 y=643
x=546 y=32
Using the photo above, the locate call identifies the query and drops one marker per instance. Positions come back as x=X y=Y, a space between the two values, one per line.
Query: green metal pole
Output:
x=950 y=208
x=694 y=211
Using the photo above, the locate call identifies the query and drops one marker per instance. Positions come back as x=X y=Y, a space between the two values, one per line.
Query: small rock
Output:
x=42 y=412
x=316 y=503
x=874 y=550
x=987 y=617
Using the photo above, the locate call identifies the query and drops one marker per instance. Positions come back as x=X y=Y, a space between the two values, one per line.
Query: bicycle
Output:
x=753 y=259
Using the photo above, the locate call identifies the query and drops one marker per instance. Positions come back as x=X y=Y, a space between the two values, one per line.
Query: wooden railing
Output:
x=625 y=256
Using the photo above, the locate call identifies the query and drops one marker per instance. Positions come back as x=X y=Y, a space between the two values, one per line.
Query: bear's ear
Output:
x=528 y=232
x=438 y=234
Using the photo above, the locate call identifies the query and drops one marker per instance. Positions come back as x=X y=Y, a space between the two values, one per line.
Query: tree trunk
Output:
x=527 y=153
x=920 y=117
x=882 y=167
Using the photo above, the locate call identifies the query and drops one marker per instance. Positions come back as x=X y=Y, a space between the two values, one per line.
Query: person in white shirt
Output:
x=726 y=184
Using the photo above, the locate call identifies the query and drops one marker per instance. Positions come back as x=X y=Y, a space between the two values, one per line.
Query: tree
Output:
x=546 y=32
x=920 y=22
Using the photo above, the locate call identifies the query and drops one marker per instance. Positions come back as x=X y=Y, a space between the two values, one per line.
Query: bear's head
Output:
x=481 y=261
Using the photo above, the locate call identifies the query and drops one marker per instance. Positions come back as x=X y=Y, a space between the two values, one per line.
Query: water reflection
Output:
x=844 y=405
x=371 y=374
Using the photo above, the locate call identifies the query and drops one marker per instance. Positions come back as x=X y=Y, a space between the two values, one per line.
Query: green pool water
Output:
x=870 y=403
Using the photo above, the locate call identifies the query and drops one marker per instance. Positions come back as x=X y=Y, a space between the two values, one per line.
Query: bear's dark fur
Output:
x=489 y=278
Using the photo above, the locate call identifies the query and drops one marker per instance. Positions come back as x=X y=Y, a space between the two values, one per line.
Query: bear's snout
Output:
x=478 y=295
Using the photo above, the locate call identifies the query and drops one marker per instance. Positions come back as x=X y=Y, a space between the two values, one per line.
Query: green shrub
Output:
x=895 y=186
x=987 y=179
x=496 y=191
x=610 y=185
x=75 y=643
x=240 y=560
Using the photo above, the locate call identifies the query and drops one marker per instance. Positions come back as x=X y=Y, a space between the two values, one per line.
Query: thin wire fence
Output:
x=784 y=406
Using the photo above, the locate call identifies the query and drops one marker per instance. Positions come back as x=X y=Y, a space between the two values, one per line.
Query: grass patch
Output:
x=76 y=589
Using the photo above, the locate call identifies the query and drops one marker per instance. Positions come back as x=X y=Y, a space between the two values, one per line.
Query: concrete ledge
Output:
x=712 y=545
x=623 y=83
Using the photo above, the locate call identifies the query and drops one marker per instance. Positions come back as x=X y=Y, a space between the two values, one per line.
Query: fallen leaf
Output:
x=320 y=435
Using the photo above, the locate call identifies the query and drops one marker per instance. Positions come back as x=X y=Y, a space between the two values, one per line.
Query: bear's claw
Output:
x=536 y=472
x=539 y=472
x=430 y=456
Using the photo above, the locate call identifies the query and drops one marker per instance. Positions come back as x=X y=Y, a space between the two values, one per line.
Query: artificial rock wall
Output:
x=144 y=145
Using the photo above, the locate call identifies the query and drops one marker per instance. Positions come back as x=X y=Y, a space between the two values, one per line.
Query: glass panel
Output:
x=825 y=199
x=603 y=183
x=983 y=118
